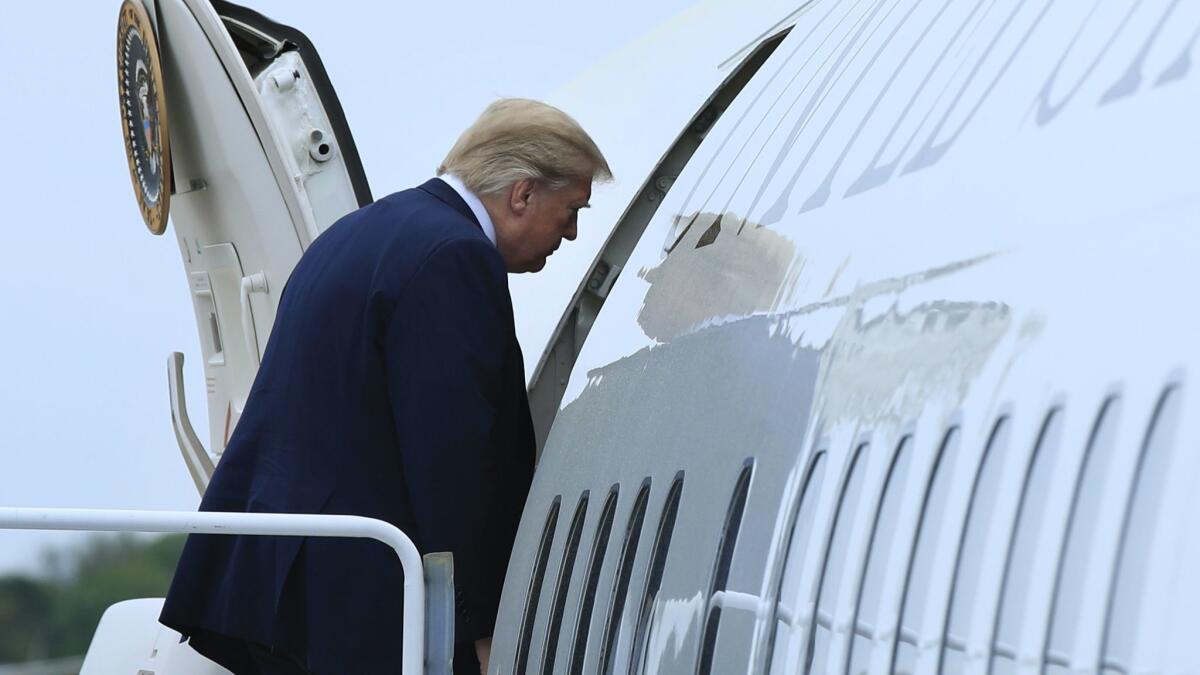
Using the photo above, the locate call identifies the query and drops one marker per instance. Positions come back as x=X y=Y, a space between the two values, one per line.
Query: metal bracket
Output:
x=439 y=613
x=602 y=279
x=254 y=283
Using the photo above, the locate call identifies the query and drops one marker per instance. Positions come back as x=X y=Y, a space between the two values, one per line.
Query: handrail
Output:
x=274 y=524
x=199 y=464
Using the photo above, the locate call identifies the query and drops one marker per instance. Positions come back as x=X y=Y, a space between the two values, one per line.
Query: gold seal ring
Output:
x=144 y=114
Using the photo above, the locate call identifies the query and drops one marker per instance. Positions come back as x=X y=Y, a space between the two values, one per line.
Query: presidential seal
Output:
x=144 y=114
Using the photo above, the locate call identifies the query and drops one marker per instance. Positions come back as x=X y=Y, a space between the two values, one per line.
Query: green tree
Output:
x=55 y=614
x=25 y=606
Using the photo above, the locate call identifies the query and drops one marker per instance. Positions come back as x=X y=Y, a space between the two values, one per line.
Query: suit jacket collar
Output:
x=438 y=188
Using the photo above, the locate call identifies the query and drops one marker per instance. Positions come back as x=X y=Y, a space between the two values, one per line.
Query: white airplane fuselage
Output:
x=878 y=357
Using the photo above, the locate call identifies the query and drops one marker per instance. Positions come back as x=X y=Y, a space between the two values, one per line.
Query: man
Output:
x=392 y=387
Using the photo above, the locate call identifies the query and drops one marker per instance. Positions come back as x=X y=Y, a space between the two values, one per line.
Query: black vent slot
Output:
x=535 y=588
x=878 y=556
x=654 y=576
x=1021 y=557
x=802 y=515
x=595 y=566
x=621 y=587
x=720 y=577
x=1069 y=589
x=1137 y=534
x=835 y=563
x=563 y=584
x=920 y=563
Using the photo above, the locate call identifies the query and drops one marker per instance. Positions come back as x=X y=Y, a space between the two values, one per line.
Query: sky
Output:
x=92 y=304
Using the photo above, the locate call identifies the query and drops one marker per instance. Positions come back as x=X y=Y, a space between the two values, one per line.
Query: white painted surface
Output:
x=130 y=641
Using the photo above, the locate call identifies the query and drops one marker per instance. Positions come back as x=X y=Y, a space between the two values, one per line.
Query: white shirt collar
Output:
x=476 y=206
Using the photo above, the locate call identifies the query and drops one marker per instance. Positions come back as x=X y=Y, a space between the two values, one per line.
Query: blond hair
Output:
x=518 y=138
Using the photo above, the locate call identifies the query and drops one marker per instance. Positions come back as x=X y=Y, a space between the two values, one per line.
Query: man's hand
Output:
x=483 y=650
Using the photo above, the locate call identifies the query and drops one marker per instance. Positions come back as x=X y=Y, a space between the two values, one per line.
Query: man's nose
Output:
x=569 y=235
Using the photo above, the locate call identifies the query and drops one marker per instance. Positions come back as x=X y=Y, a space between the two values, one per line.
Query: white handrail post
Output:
x=269 y=524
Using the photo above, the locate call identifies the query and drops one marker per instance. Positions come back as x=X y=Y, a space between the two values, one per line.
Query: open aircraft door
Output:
x=232 y=125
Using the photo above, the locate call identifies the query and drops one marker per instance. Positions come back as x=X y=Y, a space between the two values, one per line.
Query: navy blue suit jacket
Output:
x=392 y=387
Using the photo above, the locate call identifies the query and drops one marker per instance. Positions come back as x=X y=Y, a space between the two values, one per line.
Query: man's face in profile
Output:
x=539 y=218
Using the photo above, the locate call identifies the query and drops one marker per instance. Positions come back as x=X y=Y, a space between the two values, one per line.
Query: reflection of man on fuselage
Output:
x=392 y=387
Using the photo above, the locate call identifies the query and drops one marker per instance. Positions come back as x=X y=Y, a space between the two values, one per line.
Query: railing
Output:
x=274 y=524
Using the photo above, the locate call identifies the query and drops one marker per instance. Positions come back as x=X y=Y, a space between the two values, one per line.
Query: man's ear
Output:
x=520 y=194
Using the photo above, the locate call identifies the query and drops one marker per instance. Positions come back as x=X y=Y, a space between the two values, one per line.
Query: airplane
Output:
x=877 y=357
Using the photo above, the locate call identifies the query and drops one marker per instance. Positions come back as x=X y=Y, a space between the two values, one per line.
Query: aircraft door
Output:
x=258 y=160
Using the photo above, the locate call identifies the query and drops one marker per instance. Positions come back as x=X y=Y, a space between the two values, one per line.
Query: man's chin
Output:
x=534 y=266
x=531 y=264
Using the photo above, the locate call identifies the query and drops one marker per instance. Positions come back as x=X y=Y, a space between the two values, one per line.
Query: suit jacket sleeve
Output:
x=445 y=350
